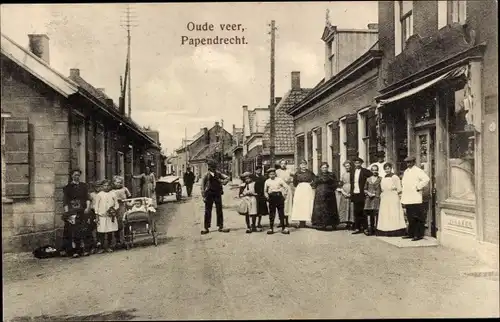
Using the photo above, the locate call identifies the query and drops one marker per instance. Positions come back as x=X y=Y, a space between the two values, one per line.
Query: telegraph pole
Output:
x=272 y=99
x=128 y=24
x=222 y=146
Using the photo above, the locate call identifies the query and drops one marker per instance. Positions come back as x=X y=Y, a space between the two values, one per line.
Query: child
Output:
x=372 y=200
x=121 y=192
x=247 y=193
x=276 y=190
x=106 y=206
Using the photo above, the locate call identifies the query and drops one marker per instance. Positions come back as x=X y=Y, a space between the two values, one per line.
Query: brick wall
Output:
x=34 y=219
x=426 y=17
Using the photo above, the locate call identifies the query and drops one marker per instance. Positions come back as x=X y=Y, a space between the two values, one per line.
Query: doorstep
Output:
x=408 y=243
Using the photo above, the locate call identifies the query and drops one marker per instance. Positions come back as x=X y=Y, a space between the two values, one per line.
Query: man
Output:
x=262 y=209
x=414 y=180
x=275 y=190
x=358 y=181
x=189 y=181
x=380 y=163
x=212 y=190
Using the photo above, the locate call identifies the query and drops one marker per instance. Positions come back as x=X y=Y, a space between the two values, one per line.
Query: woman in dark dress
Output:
x=262 y=209
x=325 y=211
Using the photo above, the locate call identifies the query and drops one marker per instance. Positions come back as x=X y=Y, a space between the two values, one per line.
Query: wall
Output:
x=386 y=39
x=260 y=120
x=350 y=46
x=35 y=219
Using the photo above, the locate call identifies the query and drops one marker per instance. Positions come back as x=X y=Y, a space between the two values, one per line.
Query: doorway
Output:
x=425 y=159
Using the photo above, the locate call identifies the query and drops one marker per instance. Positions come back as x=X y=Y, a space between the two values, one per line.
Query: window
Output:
x=16 y=151
x=330 y=58
x=100 y=154
x=362 y=137
x=403 y=16
x=342 y=142
x=78 y=145
x=316 y=149
x=351 y=141
x=462 y=148
x=329 y=139
x=367 y=128
x=300 y=148
x=457 y=11
x=121 y=163
x=334 y=160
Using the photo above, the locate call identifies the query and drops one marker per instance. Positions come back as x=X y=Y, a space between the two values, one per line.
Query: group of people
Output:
x=371 y=200
x=93 y=213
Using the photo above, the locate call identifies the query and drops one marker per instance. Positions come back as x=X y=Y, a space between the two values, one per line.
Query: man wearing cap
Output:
x=414 y=180
x=276 y=190
x=358 y=181
x=212 y=191
x=380 y=164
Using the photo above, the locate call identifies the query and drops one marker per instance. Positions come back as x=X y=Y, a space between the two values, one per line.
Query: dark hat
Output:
x=358 y=159
x=271 y=170
x=410 y=159
x=245 y=175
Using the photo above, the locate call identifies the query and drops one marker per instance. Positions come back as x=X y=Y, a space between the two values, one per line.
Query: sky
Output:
x=178 y=89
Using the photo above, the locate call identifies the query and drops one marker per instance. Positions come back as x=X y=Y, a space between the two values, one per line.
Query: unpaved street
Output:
x=307 y=274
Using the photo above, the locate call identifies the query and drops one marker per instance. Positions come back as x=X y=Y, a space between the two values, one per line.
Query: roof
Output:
x=284 y=126
x=367 y=60
x=37 y=67
x=208 y=150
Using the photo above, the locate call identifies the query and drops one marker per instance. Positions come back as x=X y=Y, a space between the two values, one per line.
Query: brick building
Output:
x=254 y=122
x=438 y=101
x=55 y=125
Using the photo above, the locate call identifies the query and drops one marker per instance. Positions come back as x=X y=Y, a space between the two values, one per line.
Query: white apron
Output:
x=303 y=200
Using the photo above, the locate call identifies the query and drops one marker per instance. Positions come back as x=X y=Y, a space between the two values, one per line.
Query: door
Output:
x=426 y=161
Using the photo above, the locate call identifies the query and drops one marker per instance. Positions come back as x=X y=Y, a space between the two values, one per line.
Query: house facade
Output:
x=254 y=123
x=55 y=125
x=237 y=152
x=438 y=102
x=335 y=120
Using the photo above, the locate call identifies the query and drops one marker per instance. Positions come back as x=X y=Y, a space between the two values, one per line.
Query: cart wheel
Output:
x=131 y=244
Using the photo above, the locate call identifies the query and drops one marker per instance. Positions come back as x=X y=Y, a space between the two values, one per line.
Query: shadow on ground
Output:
x=119 y=315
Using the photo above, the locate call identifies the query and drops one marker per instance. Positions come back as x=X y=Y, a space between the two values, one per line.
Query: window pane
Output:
x=406 y=6
x=462 y=11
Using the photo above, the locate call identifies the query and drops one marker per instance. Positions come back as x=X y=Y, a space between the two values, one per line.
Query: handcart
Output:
x=138 y=220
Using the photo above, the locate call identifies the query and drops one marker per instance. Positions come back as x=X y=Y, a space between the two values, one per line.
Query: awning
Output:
x=459 y=71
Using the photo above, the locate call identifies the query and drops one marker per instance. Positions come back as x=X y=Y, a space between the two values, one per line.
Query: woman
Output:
x=304 y=195
x=325 y=211
x=391 y=221
x=346 y=214
x=248 y=195
x=148 y=185
x=372 y=199
x=262 y=209
x=77 y=233
x=286 y=175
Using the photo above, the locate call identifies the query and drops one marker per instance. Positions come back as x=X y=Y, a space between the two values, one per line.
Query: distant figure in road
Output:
x=276 y=190
x=414 y=180
x=212 y=191
x=391 y=218
x=148 y=184
x=325 y=213
x=372 y=199
x=262 y=209
x=345 y=208
x=303 y=198
x=189 y=181
x=358 y=181
x=249 y=196
x=286 y=175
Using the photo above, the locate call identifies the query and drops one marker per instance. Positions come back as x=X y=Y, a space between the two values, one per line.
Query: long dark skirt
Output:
x=325 y=211
x=262 y=209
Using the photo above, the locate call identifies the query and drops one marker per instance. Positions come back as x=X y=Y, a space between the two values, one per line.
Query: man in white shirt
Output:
x=358 y=181
x=414 y=180
x=380 y=164
x=275 y=190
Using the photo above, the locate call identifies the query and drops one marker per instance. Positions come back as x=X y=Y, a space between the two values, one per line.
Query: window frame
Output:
x=404 y=19
x=454 y=16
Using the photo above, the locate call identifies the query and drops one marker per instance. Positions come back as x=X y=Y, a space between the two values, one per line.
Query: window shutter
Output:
x=319 y=149
x=91 y=166
x=309 y=149
x=336 y=148
x=371 y=130
x=17 y=158
x=352 y=136
x=300 y=148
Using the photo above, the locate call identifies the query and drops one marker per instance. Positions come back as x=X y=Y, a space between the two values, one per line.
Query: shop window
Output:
x=462 y=147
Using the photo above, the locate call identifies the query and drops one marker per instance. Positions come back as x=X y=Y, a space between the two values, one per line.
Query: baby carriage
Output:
x=138 y=220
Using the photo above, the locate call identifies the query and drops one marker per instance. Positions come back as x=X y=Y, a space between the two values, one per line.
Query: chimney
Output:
x=295 y=80
x=121 y=106
x=373 y=26
x=39 y=45
x=74 y=72
x=217 y=124
x=109 y=102
x=278 y=99
x=207 y=136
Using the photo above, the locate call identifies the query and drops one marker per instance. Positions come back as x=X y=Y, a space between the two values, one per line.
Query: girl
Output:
x=325 y=211
x=345 y=208
x=391 y=221
x=121 y=192
x=106 y=206
x=276 y=190
x=372 y=200
x=304 y=195
x=286 y=175
x=247 y=193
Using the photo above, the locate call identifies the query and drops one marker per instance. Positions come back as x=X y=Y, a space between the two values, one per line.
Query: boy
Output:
x=275 y=190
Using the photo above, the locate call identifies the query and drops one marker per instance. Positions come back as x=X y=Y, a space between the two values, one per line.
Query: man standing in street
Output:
x=212 y=191
x=380 y=163
x=414 y=180
x=358 y=181
x=189 y=181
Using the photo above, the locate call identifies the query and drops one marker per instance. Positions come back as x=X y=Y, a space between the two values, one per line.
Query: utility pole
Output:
x=272 y=115
x=186 y=147
x=128 y=24
x=222 y=144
